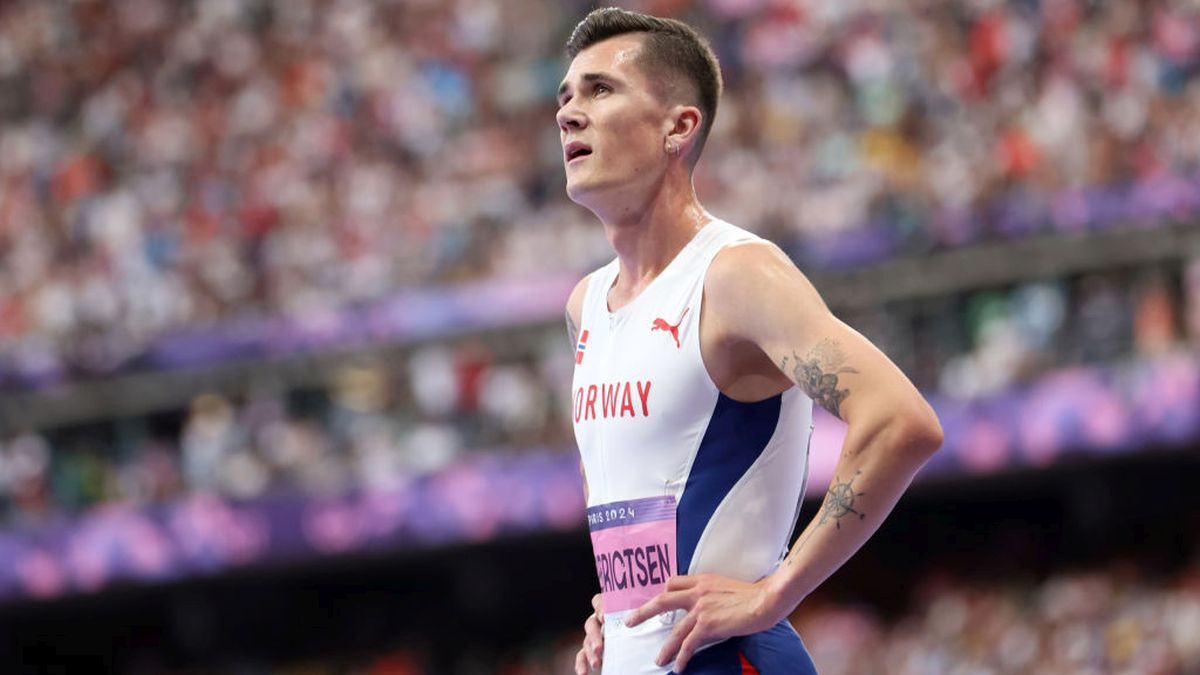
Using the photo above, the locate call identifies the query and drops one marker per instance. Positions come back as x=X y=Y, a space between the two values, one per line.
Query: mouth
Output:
x=576 y=150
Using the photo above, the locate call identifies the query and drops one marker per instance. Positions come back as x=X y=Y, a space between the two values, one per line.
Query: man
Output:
x=699 y=352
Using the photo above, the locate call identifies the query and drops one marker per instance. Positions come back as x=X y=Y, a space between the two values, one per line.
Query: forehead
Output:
x=617 y=55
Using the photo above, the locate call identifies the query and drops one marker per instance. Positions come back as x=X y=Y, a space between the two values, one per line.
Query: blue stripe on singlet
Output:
x=775 y=651
x=737 y=434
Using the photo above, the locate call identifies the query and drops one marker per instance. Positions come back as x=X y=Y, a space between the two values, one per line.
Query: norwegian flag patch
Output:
x=579 y=348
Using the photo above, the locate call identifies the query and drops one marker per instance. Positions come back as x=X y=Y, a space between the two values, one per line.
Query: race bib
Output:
x=634 y=543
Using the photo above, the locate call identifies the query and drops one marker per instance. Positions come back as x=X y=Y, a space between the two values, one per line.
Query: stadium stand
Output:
x=270 y=268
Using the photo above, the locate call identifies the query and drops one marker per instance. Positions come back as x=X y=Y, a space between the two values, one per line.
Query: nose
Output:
x=570 y=118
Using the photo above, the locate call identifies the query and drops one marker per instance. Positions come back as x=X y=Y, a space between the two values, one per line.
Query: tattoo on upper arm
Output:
x=817 y=374
x=572 y=331
x=839 y=501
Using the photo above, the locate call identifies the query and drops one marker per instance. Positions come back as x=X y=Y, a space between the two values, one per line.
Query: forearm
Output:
x=874 y=469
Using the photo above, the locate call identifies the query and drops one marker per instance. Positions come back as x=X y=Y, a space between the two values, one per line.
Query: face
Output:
x=612 y=126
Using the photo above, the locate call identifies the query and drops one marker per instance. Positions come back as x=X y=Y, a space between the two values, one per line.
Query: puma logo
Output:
x=661 y=324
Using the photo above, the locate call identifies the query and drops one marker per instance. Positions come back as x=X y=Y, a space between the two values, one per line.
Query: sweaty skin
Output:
x=763 y=329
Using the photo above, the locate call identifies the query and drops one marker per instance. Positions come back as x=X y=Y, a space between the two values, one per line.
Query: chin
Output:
x=578 y=191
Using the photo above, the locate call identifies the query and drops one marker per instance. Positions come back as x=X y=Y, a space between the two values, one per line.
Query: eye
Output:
x=601 y=87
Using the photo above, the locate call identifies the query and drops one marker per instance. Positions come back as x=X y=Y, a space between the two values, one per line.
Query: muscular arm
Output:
x=763 y=299
x=757 y=299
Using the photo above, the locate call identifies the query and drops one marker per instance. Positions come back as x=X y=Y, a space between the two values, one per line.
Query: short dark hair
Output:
x=670 y=45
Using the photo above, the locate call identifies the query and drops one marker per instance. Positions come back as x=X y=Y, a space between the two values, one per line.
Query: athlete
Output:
x=699 y=352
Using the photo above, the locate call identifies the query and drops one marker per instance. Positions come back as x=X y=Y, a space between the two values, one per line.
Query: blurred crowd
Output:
x=968 y=345
x=375 y=422
x=372 y=426
x=167 y=164
x=1113 y=621
x=1110 y=621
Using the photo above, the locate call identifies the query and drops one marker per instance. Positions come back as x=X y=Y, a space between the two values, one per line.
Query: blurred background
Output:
x=283 y=375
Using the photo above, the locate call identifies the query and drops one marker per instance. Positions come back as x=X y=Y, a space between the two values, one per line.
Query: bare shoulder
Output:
x=756 y=281
x=575 y=300
x=747 y=264
x=575 y=309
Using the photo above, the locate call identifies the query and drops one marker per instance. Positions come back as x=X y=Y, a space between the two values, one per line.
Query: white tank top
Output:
x=659 y=442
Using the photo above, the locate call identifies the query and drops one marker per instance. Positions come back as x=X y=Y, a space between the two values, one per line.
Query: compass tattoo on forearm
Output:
x=817 y=374
x=839 y=502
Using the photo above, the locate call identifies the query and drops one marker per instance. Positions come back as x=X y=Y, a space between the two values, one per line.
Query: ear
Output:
x=683 y=128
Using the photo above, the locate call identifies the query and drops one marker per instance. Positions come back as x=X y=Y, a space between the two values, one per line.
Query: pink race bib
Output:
x=634 y=543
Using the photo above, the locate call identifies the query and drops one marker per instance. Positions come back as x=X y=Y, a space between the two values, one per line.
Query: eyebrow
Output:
x=586 y=77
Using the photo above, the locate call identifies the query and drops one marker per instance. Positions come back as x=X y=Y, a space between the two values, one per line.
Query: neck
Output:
x=648 y=233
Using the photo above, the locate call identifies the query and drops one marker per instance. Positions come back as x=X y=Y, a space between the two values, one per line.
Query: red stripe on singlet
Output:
x=747 y=667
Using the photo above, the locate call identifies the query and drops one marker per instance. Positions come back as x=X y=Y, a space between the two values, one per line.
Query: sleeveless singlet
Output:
x=681 y=479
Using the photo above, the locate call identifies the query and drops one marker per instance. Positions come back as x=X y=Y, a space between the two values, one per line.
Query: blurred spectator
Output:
x=24 y=476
